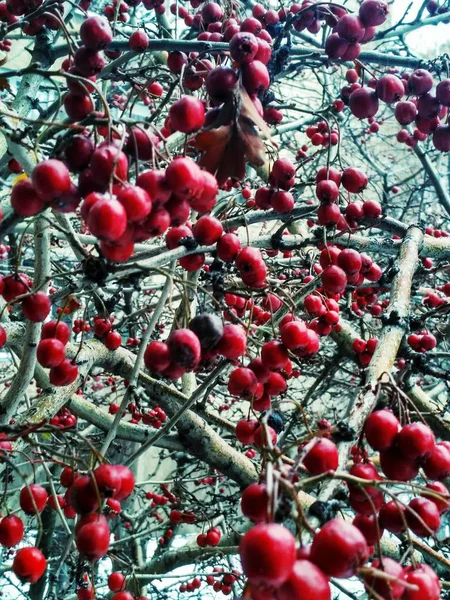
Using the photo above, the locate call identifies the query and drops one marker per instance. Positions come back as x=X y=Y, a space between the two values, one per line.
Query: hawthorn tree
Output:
x=224 y=301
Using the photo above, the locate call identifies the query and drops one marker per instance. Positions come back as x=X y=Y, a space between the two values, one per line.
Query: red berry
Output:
x=369 y=527
x=425 y=582
x=33 y=499
x=415 y=441
x=25 y=200
x=260 y=549
x=92 y=536
x=438 y=494
x=233 y=342
x=95 y=33
x=184 y=177
x=327 y=191
x=255 y=502
x=138 y=41
x=294 y=335
x=108 y=161
x=305 y=581
x=51 y=179
x=395 y=466
x=245 y=430
x=243 y=47
x=350 y=261
x=187 y=114
x=107 y=219
x=363 y=103
x=207 y=230
x=136 y=201
x=255 y=77
x=390 y=88
x=334 y=280
x=386 y=589
x=29 y=564
x=422 y=516
x=354 y=180
x=242 y=382
x=322 y=457
x=50 y=352
x=420 y=82
x=339 y=549
x=392 y=517
x=116 y=581
x=11 y=531
x=184 y=348
x=380 y=429
x=36 y=307
x=63 y=374
x=274 y=355
x=228 y=247
x=437 y=464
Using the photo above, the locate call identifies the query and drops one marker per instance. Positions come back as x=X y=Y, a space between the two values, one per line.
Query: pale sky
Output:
x=426 y=41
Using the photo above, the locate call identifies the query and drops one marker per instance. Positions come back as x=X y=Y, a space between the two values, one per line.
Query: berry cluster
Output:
x=365 y=350
x=350 y=31
x=103 y=330
x=185 y=349
x=322 y=135
x=424 y=107
x=64 y=419
x=210 y=538
x=422 y=341
x=354 y=181
x=51 y=353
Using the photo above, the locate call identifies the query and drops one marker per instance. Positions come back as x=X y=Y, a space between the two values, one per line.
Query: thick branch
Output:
x=387 y=348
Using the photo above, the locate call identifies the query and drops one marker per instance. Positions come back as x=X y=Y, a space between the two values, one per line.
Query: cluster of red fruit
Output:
x=321 y=135
x=51 y=353
x=338 y=550
x=80 y=326
x=64 y=419
x=367 y=298
x=186 y=349
x=29 y=563
x=112 y=482
x=350 y=31
x=277 y=196
x=116 y=583
x=155 y=417
x=422 y=341
x=251 y=431
x=227 y=580
x=210 y=538
x=325 y=312
x=258 y=312
x=437 y=233
x=135 y=212
x=365 y=349
x=35 y=306
x=346 y=267
x=265 y=377
x=11 y=10
x=424 y=107
x=103 y=329
x=354 y=181
x=433 y=299
x=403 y=450
x=92 y=531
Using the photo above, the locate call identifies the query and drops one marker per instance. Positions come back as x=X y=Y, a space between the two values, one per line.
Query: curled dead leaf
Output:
x=233 y=139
